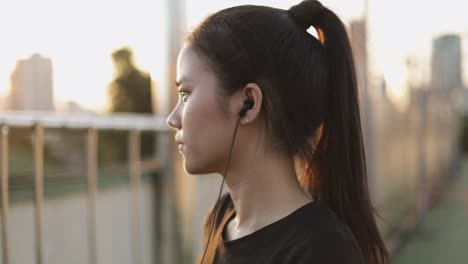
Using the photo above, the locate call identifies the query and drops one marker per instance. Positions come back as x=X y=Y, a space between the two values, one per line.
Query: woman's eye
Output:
x=183 y=95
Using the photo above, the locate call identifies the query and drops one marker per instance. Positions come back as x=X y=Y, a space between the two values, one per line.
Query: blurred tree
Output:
x=129 y=92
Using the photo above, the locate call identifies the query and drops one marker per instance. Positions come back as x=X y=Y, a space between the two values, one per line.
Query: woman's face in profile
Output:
x=202 y=128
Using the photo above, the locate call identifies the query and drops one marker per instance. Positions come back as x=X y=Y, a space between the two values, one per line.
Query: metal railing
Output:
x=91 y=123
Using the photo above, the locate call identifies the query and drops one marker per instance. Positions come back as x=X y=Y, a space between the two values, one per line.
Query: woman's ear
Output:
x=253 y=92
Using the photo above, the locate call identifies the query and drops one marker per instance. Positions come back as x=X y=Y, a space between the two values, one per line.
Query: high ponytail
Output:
x=337 y=171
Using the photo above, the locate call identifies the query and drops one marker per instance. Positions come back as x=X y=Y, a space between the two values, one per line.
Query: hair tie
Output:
x=307 y=13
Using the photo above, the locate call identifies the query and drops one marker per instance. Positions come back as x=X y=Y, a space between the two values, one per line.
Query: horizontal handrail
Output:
x=115 y=121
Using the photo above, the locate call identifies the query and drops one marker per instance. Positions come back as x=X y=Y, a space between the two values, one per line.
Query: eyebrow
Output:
x=182 y=80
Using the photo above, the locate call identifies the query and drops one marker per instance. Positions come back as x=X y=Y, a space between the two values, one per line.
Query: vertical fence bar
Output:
x=92 y=138
x=169 y=235
x=39 y=188
x=5 y=194
x=135 y=179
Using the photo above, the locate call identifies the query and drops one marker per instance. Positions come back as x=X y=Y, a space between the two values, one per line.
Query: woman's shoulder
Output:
x=323 y=239
x=329 y=247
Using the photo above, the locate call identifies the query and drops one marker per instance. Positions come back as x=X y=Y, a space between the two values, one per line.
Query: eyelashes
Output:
x=183 y=95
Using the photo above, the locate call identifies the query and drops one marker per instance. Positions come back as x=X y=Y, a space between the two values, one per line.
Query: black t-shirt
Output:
x=311 y=234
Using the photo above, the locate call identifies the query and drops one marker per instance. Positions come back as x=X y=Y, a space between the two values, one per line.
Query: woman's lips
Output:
x=181 y=146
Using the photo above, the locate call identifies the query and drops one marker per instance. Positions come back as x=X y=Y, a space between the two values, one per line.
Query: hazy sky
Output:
x=80 y=35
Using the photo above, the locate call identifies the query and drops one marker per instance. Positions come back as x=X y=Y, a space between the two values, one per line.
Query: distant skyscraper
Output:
x=31 y=84
x=358 y=39
x=446 y=62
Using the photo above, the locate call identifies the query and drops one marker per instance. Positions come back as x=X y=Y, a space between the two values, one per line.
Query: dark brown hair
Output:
x=310 y=99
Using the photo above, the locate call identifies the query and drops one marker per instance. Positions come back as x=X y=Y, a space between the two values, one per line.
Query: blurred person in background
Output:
x=129 y=92
x=277 y=108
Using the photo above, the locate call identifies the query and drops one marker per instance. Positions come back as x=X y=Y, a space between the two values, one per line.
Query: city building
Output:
x=31 y=84
x=446 y=70
x=358 y=39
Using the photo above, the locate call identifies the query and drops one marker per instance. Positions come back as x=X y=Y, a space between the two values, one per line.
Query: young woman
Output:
x=277 y=109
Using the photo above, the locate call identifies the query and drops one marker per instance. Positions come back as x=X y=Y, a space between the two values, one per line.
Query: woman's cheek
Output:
x=189 y=122
x=201 y=118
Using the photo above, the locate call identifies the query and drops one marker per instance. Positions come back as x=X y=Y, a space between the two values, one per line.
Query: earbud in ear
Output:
x=248 y=104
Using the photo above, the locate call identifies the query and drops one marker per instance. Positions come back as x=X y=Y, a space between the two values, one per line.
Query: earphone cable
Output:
x=220 y=189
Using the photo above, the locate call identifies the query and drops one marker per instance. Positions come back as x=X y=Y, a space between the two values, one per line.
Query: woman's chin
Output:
x=193 y=171
x=190 y=169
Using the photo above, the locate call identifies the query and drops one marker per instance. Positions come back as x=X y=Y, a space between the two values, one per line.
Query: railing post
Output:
x=39 y=187
x=168 y=232
x=92 y=138
x=135 y=178
x=5 y=194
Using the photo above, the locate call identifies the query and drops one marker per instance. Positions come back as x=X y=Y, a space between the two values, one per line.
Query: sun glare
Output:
x=395 y=77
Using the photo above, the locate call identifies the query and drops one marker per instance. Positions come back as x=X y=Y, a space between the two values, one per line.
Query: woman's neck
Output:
x=263 y=190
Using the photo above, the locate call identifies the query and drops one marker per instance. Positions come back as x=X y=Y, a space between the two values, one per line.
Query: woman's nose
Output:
x=173 y=120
